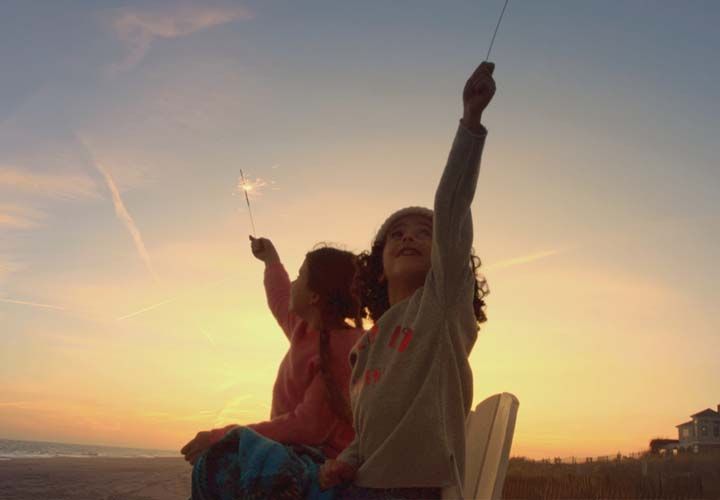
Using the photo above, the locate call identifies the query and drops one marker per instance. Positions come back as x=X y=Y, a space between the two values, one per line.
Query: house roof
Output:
x=706 y=413
x=686 y=423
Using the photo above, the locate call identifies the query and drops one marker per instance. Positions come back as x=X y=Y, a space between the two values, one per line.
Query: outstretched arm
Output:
x=452 y=224
x=277 y=283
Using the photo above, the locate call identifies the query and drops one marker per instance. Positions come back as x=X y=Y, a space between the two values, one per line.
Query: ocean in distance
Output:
x=12 y=449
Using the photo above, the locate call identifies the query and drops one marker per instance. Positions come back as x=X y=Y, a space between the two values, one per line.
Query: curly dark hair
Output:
x=330 y=274
x=374 y=295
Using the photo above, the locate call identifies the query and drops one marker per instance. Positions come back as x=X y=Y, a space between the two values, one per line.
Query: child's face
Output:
x=406 y=255
x=302 y=299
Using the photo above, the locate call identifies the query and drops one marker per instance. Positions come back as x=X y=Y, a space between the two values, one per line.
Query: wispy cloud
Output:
x=18 y=217
x=163 y=416
x=525 y=259
x=178 y=297
x=208 y=337
x=127 y=219
x=68 y=186
x=16 y=404
x=7 y=267
x=138 y=28
x=233 y=410
x=146 y=309
x=31 y=304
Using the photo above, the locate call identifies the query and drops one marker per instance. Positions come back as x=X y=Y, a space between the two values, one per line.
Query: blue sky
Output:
x=596 y=213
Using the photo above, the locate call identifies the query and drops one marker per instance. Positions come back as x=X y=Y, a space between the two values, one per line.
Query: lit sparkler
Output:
x=247 y=188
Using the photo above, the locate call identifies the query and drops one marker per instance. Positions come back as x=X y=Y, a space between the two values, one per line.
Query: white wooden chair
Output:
x=488 y=437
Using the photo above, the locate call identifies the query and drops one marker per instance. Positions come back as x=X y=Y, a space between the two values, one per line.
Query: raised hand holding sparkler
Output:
x=477 y=94
x=264 y=250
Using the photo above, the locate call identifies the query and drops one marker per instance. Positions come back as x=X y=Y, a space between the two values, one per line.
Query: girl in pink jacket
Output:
x=310 y=408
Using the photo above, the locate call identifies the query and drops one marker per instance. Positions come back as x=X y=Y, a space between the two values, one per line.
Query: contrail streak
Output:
x=146 y=309
x=173 y=299
x=127 y=219
x=524 y=259
x=33 y=304
x=208 y=337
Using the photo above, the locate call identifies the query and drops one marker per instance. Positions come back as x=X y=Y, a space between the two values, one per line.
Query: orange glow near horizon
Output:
x=208 y=357
x=132 y=312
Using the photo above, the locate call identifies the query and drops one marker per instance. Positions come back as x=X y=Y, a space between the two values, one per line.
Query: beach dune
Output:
x=95 y=478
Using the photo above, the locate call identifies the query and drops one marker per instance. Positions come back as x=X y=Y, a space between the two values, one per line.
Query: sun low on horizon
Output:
x=132 y=312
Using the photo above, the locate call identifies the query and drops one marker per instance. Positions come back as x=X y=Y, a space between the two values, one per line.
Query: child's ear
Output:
x=314 y=299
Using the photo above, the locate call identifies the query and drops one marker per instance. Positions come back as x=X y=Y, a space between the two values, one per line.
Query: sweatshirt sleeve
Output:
x=217 y=434
x=277 y=290
x=351 y=454
x=311 y=422
x=452 y=221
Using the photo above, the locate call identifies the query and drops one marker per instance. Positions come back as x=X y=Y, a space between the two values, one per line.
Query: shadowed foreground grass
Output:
x=685 y=476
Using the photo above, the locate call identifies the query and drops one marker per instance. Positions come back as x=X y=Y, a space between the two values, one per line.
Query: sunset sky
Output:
x=132 y=312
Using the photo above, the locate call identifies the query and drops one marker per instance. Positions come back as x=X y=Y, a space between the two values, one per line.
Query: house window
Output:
x=686 y=432
x=703 y=430
x=716 y=429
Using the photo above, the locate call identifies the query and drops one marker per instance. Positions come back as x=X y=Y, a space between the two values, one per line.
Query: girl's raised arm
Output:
x=452 y=222
x=277 y=283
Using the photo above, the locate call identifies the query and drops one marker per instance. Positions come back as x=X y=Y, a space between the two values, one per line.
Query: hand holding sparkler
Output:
x=477 y=94
x=480 y=87
x=264 y=250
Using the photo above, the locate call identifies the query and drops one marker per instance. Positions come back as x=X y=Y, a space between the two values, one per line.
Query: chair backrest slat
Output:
x=488 y=437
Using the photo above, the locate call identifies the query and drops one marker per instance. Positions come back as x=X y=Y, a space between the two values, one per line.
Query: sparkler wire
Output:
x=247 y=200
x=487 y=57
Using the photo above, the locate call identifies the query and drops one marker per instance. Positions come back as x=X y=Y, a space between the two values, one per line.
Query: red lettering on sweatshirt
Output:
x=407 y=335
x=372 y=376
x=395 y=335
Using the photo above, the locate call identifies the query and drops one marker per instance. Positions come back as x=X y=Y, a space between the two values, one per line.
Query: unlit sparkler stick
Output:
x=487 y=57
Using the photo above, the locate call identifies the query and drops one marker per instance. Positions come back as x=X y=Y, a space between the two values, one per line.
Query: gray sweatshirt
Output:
x=411 y=386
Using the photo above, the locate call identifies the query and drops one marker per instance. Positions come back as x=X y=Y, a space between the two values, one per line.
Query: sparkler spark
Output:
x=248 y=187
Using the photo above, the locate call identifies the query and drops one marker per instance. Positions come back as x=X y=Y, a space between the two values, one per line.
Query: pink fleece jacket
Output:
x=301 y=412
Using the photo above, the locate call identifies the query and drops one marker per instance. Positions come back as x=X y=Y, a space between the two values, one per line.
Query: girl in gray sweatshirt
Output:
x=411 y=386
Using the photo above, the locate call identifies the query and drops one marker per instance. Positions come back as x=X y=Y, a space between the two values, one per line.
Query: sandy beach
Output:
x=95 y=479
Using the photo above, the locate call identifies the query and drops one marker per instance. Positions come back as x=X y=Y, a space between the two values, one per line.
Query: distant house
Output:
x=701 y=432
x=663 y=445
